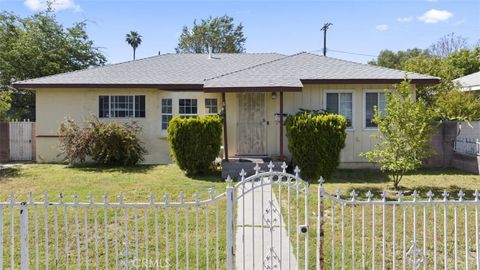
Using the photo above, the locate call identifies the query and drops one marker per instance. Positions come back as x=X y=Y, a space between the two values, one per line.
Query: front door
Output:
x=251 y=128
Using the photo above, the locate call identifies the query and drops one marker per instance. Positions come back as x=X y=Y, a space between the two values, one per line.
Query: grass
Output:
x=137 y=182
x=124 y=228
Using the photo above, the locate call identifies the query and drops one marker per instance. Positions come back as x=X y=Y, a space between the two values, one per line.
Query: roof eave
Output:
x=254 y=89
x=173 y=87
x=369 y=81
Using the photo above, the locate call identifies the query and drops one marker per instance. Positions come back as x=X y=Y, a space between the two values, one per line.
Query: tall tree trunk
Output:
x=134 y=53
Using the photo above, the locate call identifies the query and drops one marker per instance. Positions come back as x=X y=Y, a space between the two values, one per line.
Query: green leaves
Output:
x=4 y=104
x=315 y=141
x=39 y=46
x=195 y=142
x=219 y=33
x=405 y=132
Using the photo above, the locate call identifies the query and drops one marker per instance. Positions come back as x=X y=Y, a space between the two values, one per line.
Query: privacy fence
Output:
x=299 y=226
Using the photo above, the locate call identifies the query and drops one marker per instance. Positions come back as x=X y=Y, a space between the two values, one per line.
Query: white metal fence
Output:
x=400 y=231
x=262 y=222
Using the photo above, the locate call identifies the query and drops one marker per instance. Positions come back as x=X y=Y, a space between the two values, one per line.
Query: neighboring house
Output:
x=469 y=82
x=253 y=88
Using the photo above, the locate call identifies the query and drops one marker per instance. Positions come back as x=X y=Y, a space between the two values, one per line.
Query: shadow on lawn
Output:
x=9 y=172
x=113 y=168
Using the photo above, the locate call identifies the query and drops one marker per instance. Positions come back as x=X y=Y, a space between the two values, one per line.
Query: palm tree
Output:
x=134 y=39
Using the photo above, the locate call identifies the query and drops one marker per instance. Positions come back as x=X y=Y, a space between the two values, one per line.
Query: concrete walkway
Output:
x=249 y=237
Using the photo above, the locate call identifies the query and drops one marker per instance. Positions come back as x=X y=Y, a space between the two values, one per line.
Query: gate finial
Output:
x=476 y=195
x=369 y=195
x=445 y=195
x=321 y=181
x=242 y=174
x=284 y=167
x=461 y=194
x=354 y=195
x=297 y=171
x=256 y=168
x=228 y=180
x=430 y=195
x=270 y=166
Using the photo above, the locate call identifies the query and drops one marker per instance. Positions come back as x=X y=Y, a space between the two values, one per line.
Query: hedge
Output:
x=315 y=142
x=195 y=142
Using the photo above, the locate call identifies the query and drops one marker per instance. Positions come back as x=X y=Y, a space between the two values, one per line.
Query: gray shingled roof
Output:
x=291 y=70
x=161 y=69
x=469 y=80
x=257 y=70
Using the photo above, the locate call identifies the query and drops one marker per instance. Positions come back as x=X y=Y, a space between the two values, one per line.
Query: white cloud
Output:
x=435 y=16
x=57 y=5
x=382 y=27
x=405 y=19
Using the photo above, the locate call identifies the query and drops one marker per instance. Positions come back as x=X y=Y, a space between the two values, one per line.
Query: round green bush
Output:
x=195 y=142
x=315 y=142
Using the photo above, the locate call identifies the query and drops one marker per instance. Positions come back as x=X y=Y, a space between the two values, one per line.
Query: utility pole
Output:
x=324 y=29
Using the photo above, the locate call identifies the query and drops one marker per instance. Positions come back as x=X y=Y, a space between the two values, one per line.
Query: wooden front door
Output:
x=251 y=128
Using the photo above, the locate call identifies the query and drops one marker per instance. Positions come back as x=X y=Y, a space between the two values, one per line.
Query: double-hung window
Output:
x=373 y=100
x=211 y=106
x=121 y=106
x=167 y=112
x=341 y=103
x=187 y=107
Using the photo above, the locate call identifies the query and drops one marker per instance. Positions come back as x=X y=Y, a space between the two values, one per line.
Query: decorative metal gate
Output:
x=271 y=221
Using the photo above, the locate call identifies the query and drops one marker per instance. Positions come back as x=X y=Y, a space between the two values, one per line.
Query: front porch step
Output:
x=234 y=166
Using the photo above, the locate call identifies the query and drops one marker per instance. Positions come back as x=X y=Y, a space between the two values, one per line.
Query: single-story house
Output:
x=469 y=82
x=256 y=91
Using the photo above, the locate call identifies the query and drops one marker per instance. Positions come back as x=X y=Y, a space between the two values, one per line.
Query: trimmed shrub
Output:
x=106 y=143
x=195 y=142
x=115 y=143
x=315 y=142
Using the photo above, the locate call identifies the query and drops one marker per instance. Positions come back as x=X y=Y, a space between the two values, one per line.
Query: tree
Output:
x=448 y=44
x=219 y=34
x=405 y=132
x=467 y=61
x=396 y=60
x=4 y=104
x=134 y=39
x=37 y=46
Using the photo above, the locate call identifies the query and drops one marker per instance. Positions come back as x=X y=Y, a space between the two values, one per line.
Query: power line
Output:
x=345 y=52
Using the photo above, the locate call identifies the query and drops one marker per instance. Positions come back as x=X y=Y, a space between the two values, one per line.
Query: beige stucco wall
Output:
x=53 y=105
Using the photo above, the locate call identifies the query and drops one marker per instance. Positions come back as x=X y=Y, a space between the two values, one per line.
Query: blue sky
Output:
x=362 y=27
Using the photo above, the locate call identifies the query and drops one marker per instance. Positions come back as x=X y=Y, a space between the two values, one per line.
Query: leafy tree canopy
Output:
x=391 y=59
x=37 y=46
x=220 y=33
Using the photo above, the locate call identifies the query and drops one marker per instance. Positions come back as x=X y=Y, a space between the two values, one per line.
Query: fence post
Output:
x=320 y=223
x=24 y=236
x=230 y=225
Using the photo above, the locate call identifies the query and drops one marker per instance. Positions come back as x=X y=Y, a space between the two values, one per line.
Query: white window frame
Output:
x=162 y=113
x=187 y=114
x=205 y=105
x=121 y=95
x=342 y=91
x=364 y=116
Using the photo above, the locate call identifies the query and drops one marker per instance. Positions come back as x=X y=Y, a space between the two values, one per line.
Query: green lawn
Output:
x=137 y=182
